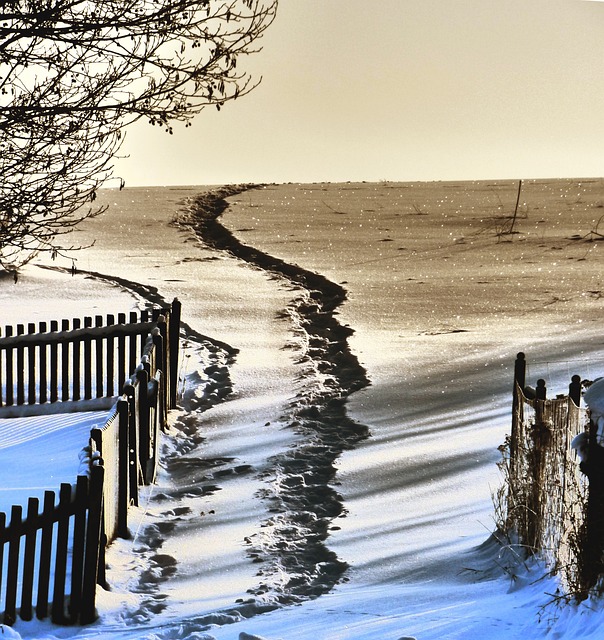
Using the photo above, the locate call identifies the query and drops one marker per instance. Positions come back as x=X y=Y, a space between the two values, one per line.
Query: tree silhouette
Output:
x=75 y=73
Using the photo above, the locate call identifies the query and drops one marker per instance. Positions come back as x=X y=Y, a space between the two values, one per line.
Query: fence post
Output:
x=540 y=397
x=160 y=341
x=541 y=390
x=123 y=469
x=92 y=553
x=540 y=443
x=520 y=369
x=144 y=434
x=174 y=352
x=134 y=434
x=157 y=399
x=519 y=382
x=574 y=390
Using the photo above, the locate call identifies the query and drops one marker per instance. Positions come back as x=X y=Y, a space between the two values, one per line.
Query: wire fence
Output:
x=546 y=492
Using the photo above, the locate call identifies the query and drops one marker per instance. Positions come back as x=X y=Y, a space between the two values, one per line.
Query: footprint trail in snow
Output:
x=296 y=564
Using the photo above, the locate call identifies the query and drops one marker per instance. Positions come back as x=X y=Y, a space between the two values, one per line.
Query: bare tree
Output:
x=75 y=73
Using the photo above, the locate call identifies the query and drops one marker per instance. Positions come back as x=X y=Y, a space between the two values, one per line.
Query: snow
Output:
x=437 y=325
x=39 y=453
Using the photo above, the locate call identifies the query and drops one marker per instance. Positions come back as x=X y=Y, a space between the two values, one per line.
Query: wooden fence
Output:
x=40 y=560
x=85 y=361
x=51 y=560
x=547 y=493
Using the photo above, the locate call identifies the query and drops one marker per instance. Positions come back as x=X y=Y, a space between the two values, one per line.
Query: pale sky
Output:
x=401 y=90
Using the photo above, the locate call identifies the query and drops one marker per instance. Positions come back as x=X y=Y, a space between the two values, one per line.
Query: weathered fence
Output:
x=547 y=493
x=56 y=556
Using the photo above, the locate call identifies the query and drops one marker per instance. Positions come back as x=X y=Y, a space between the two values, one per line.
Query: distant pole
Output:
x=516 y=207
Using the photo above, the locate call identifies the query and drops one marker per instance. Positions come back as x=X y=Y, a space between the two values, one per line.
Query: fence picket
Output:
x=134 y=437
x=65 y=348
x=133 y=350
x=173 y=351
x=142 y=377
x=58 y=594
x=29 y=558
x=9 y=370
x=121 y=354
x=43 y=366
x=54 y=365
x=12 y=572
x=76 y=359
x=99 y=360
x=77 y=554
x=93 y=546
x=20 y=368
x=87 y=342
x=45 y=555
x=124 y=469
x=110 y=358
x=2 y=539
x=31 y=367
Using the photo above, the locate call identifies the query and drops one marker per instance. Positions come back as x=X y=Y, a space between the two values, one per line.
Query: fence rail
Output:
x=52 y=559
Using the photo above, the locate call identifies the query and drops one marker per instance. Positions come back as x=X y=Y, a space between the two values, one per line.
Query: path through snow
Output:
x=300 y=496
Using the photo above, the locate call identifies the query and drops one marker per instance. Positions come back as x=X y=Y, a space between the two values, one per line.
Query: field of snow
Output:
x=396 y=516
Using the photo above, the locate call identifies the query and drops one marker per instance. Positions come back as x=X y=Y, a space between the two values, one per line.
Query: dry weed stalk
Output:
x=543 y=497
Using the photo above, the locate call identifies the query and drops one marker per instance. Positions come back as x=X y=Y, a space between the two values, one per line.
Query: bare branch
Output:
x=75 y=73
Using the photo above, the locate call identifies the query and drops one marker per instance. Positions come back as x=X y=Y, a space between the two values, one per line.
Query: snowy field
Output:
x=440 y=302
